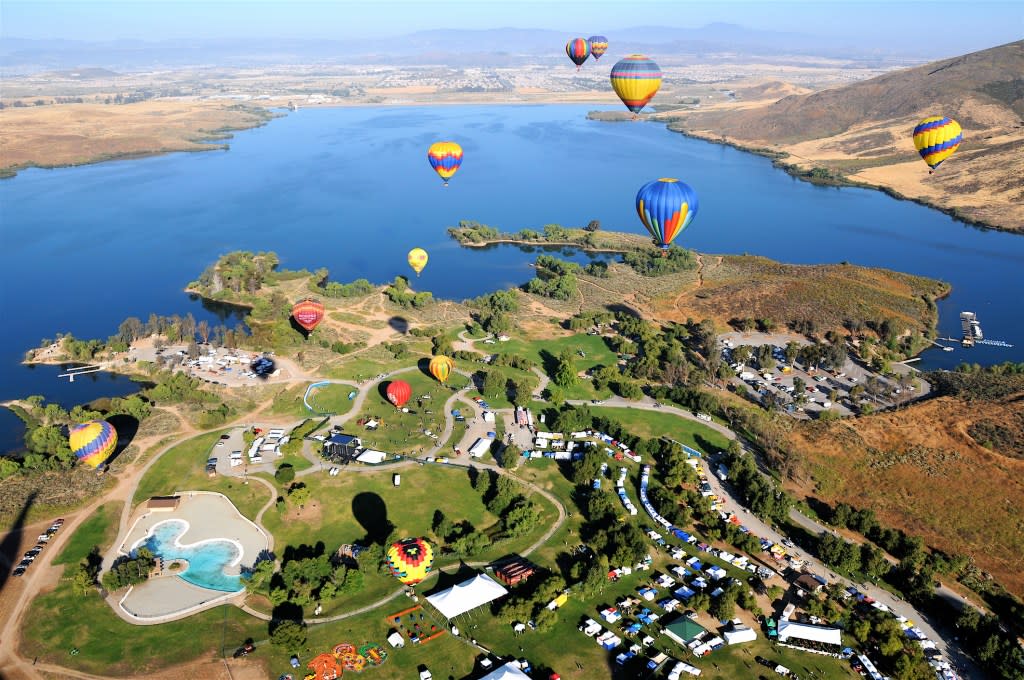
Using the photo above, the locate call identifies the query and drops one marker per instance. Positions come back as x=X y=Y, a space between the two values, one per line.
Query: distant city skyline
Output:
x=906 y=26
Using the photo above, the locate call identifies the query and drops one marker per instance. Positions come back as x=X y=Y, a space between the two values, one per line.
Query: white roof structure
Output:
x=372 y=456
x=739 y=634
x=805 y=631
x=467 y=595
x=506 y=672
x=396 y=639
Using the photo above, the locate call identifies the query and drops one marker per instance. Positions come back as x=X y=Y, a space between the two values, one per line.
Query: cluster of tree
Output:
x=759 y=492
x=555 y=279
x=513 y=361
x=459 y=538
x=849 y=558
x=585 y=320
x=178 y=388
x=651 y=263
x=893 y=541
x=993 y=645
x=748 y=324
x=623 y=543
x=893 y=652
x=495 y=310
x=973 y=382
x=400 y=294
x=565 y=375
x=129 y=571
x=495 y=385
x=319 y=284
x=237 y=272
x=598 y=269
x=307 y=575
x=529 y=601
x=517 y=514
x=470 y=231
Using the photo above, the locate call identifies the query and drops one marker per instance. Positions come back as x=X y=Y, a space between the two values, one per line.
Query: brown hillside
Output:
x=863 y=131
x=922 y=471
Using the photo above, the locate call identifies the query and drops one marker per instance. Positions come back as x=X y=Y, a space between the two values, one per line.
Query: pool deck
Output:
x=209 y=516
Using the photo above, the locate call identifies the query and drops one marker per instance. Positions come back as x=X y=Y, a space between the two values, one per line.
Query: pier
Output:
x=81 y=370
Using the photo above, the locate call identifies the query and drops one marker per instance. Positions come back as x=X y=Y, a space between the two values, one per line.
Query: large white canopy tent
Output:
x=506 y=672
x=805 y=631
x=467 y=595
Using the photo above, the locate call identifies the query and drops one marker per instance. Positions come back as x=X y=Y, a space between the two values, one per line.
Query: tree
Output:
x=83 y=581
x=565 y=371
x=593 y=225
x=203 y=328
x=288 y=636
x=545 y=619
x=628 y=389
x=285 y=474
x=493 y=385
x=792 y=350
x=299 y=494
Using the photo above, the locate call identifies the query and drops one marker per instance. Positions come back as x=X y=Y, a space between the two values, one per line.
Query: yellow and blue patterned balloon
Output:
x=598 y=46
x=636 y=79
x=937 y=138
x=445 y=158
x=666 y=207
x=93 y=442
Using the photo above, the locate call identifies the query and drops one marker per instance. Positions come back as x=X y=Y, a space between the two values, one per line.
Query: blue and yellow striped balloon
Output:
x=445 y=158
x=666 y=206
x=636 y=80
x=93 y=442
x=598 y=46
x=937 y=138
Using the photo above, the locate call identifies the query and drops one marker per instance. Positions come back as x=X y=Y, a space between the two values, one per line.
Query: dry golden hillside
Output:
x=863 y=132
x=923 y=470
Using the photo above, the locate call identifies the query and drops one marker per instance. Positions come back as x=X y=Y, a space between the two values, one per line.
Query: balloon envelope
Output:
x=417 y=259
x=445 y=158
x=398 y=392
x=636 y=80
x=578 y=50
x=937 y=138
x=598 y=46
x=93 y=442
x=308 y=313
x=441 y=367
x=410 y=560
x=666 y=206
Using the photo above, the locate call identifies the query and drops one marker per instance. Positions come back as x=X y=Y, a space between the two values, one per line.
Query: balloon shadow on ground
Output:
x=424 y=366
x=371 y=512
x=127 y=427
x=11 y=542
x=399 y=323
x=299 y=329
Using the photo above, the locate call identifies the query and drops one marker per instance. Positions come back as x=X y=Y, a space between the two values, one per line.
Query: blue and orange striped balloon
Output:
x=93 y=442
x=598 y=46
x=578 y=50
x=937 y=138
x=445 y=158
x=636 y=80
x=666 y=206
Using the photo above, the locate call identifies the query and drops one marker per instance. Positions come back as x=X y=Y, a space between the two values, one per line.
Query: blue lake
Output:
x=351 y=189
x=206 y=561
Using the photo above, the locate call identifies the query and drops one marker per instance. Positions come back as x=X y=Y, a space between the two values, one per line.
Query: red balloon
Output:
x=398 y=392
x=308 y=313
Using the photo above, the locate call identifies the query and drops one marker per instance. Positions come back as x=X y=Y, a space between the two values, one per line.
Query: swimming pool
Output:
x=206 y=559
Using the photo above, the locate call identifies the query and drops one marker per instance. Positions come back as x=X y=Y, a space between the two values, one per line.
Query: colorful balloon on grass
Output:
x=666 y=206
x=398 y=392
x=418 y=259
x=441 y=367
x=598 y=46
x=937 y=138
x=445 y=158
x=410 y=560
x=578 y=50
x=93 y=442
x=308 y=313
x=636 y=80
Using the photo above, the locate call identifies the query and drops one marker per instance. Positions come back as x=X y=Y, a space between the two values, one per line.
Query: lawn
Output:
x=652 y=424
x=184 y=468
x=99 y=530
x=400 y=432
x=332 y=398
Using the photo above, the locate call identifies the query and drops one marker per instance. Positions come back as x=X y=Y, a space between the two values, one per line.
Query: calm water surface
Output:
x=350 y=189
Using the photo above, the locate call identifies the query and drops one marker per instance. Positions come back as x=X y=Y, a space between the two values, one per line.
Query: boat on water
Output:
x=947 y=349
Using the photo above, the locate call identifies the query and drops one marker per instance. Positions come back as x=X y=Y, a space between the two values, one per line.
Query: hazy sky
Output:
x=957 y=24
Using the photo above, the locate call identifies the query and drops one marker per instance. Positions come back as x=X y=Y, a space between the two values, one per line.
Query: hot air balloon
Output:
x=666 y=206
x=308 y=313
x=418 y=259
x=441 y=368
x=398 y=392
x=578 y=50
x=445 y=158
x=410 y=560
x=93 y=442
x=636 y=80
x=598 y=46
x=936 y=139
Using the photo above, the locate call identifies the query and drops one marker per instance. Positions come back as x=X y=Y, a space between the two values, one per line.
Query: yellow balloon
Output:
x=441 y=367
x=418 y=259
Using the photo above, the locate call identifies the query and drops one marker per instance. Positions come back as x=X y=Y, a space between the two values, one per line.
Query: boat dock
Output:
x=81 y=370
x=973 y=334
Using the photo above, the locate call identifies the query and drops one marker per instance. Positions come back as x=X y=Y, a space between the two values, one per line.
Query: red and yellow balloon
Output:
x=410 y=560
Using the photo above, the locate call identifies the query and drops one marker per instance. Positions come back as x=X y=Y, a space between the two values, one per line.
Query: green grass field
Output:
x=99 y=530
x=332 y=398
x=184 y=468
x=403 y=432
x=654 y=424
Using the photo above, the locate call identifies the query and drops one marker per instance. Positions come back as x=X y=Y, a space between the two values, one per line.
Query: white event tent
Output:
x=467 y=595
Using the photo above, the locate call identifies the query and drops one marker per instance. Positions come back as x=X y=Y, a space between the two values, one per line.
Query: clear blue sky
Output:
x=957 y=24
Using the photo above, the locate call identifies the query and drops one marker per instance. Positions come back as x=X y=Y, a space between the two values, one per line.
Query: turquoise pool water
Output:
x=206 y=561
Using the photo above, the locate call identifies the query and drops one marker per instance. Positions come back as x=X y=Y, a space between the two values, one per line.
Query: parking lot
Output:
x=823 y=390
